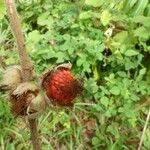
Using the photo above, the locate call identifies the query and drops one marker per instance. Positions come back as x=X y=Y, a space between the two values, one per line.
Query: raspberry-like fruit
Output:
x=61 y=86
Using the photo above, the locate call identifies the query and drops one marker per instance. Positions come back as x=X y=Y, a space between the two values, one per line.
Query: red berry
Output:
x=61 y=86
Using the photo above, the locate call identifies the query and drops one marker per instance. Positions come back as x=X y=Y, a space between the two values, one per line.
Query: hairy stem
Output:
x=34 y=134
x=25 y=62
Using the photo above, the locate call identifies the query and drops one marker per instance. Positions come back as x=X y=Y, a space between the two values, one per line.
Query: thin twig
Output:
x=144 y=130
x=25 y=62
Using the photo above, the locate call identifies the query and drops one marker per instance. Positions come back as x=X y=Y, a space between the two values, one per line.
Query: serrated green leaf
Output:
x=115 y=90
x=61 y=57
x=91 y=85
x=105 y=101
x=95 y=140
x=131 y=52
x=45 y=19
x=113 y=130
x=33 y=37
x=80 y=61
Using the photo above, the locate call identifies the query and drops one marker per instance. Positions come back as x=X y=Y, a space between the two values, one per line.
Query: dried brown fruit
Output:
x=11 y=78
x=26 y=100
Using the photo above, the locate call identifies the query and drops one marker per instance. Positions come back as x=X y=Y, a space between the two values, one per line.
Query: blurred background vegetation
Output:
x=115 y=68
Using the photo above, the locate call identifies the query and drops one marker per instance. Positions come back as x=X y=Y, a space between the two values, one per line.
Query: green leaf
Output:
x=113 y=129
x=105 y=17
x=94 y=3
x=119 y=40
x=145 y=21
x=142 y=32
x=45 y=19
x=131 y=52
x=95 y=140
x=61 y=57
x=34 y=36
x=89 y=14
x=81 y=61
x=121 y=36
x=104 y=101
x=115 y=90
x=2 y=9
x=142 y=71
x=85 y=15
x=91 y=85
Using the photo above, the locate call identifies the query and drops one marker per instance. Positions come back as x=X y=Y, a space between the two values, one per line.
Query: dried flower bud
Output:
x=61 y=86
x=26 y=100
x=11 y=78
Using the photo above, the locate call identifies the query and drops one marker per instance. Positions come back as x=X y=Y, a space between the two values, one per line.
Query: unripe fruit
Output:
x=61 y=86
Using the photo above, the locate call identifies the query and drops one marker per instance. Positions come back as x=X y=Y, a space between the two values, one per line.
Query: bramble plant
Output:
x=108 y=44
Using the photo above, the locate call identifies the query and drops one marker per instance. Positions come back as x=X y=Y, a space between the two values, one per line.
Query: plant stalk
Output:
x=144 y=130
x=26 y=65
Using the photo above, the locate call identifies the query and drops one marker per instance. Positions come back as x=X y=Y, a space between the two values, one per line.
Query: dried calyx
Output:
x=11 y=78
x=26 y=100
x=61 y=86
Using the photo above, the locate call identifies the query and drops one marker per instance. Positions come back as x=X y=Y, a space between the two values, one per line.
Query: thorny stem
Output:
x=144 y=129
x=25 y=62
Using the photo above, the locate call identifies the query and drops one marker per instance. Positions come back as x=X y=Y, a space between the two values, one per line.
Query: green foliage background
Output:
x=115 y=70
